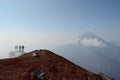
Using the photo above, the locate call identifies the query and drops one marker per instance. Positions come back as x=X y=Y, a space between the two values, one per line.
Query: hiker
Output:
x=19 y=47
x=22 y=48
x=16 y=47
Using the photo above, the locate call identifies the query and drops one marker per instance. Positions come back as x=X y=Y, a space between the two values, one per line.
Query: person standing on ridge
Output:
x=23 y=48
x=19 y=47
x=16 y=48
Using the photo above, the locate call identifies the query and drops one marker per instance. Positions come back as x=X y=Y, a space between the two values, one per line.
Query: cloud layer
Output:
x=92 y=42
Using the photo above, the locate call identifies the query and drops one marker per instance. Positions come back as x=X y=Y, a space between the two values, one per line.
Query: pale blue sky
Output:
x=23 y=20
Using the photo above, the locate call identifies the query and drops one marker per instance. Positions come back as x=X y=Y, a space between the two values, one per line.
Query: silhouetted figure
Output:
x=23 y=48
x=20 y=47
x=16 y=48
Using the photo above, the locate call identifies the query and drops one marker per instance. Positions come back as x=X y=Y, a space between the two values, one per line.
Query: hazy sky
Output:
x=49 y=23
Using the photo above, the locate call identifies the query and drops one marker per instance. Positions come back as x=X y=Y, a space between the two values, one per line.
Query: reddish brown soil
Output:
x=54 y=66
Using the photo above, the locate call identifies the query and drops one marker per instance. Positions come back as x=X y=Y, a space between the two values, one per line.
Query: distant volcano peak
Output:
x=90 y=39
x=88 y=35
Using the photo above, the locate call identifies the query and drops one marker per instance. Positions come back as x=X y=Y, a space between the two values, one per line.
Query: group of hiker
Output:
x=19 y=48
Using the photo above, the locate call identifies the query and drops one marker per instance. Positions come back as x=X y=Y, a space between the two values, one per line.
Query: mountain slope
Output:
x=55 y=68
x=93 y=53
